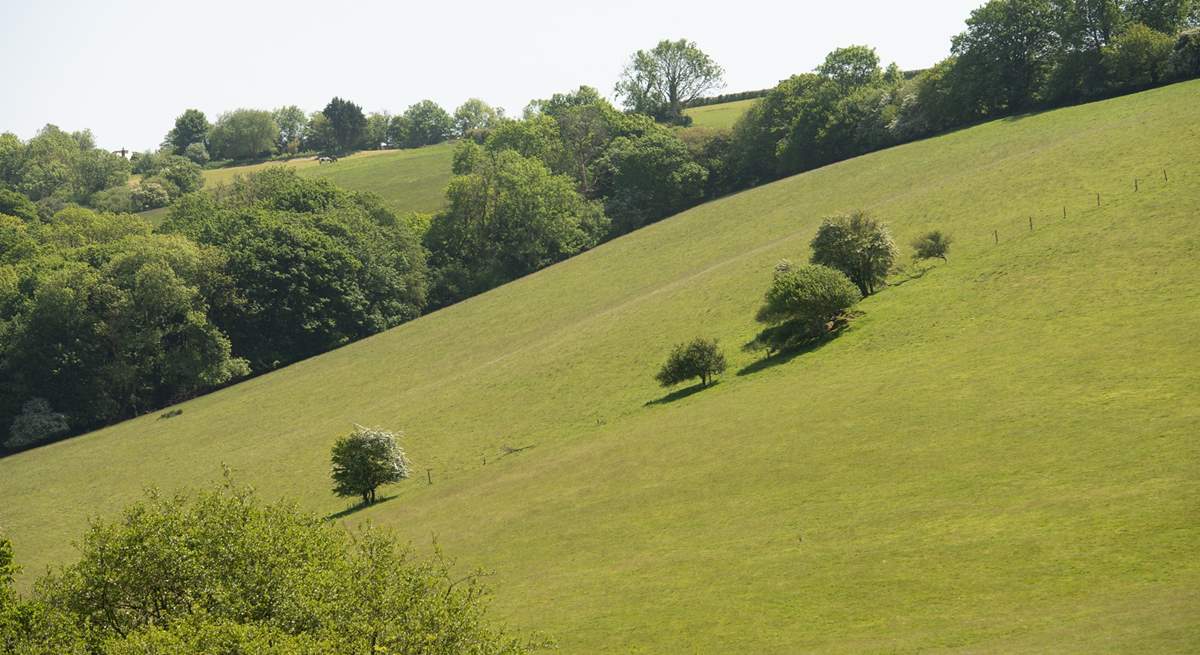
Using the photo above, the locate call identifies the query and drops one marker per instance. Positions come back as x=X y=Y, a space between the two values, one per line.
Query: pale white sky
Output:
x=126 y=68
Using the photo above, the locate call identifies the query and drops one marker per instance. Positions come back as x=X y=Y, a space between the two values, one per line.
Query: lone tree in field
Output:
x=858 y=246
x=932 y=244
x=699 y=359
x=804 y=303
x=661 y=82
x=365 y=459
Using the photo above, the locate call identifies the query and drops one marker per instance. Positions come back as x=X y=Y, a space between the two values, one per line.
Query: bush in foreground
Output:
x=804 y=303
x=220 y=572
x=701 y=358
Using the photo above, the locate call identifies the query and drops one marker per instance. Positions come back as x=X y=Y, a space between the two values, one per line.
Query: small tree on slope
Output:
x=699 y=359
x=803 y=304
x=858 y=246
x=365 y=459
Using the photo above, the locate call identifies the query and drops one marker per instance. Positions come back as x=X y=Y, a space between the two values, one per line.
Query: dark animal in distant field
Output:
x=326 y=159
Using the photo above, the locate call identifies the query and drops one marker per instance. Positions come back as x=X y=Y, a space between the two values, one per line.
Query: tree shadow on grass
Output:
x=680 y=394
x=357 y=508
x=785 y=356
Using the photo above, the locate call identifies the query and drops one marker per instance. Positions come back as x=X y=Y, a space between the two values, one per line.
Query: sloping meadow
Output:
x=999 y=454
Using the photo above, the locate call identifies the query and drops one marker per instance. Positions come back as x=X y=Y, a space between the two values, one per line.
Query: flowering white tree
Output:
x=365 y=459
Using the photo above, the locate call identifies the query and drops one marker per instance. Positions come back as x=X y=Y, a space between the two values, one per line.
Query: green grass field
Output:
x=408 y=180
x=999 y=456
x=723 y=115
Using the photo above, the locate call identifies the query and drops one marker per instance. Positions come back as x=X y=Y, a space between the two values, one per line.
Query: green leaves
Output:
x=507 y=217
x=856 y=245
x=365 y=459
x=660 y=82
x=699 y=358
x=221 y=572
x=803 y=303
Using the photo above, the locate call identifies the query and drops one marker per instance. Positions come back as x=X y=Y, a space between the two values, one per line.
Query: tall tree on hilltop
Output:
x=661 y=82
x=190 y=127
x=347 y=121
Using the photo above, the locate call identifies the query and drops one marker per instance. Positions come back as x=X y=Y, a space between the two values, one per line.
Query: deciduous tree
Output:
x=699 y=358
x=857 y=245
x=660 y=82
x=243 y=134
x=803 y=303
x=347 y=122
x=366 y=459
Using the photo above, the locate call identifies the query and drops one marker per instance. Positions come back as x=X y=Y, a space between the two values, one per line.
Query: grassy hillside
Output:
x=408 y=180
x=722 y=115
x=1000 y=455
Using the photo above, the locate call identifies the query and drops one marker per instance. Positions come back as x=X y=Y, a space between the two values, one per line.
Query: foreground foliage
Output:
x=222 y=572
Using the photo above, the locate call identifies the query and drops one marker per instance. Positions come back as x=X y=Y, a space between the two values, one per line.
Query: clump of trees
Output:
x=803 y=304
x=858 y=246
x=56 y=168
x=507 y=215
x=103 y=317
x=223 y=571
x=699 y=358
x=1013 y=56
x=364 y=460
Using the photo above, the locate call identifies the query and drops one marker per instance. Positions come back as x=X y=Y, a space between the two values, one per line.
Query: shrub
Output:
x=118 y=200
x=36 y=423
x=804 y=303
x=181 y=172
x=365 y=459
x=150 y=194
x=197 y=153
x=932 y=244
x=223 y=572
x=701 y=358
x=858 y=246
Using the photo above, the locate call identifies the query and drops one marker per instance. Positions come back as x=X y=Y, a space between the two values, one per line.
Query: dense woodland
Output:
x=103 y=316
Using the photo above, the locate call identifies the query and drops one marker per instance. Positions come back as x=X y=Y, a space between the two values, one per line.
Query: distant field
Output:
x=723 y=115
x=408 y=180
x=1000 y=456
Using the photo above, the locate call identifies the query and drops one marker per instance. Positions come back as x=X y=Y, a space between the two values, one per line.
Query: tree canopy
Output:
x=190 y=127
x=507 y=216
x=364 y=460
x=243 y=134
x=222 y=571
x=802 y=304
x=347 y=122
x=699 y=358
x=857 y=245
x=661 y=81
